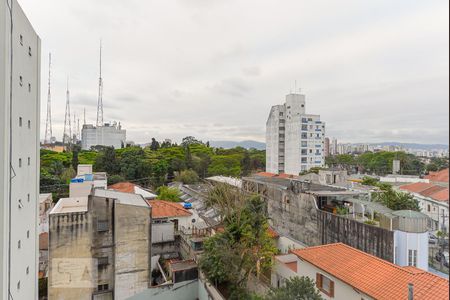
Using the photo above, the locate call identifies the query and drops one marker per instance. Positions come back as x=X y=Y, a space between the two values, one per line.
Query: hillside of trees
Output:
x=153 y=166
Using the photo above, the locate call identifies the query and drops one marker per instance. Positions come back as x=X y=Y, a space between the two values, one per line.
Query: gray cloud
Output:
x=374 y=70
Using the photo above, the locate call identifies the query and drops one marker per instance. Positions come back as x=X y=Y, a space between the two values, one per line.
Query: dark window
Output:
x=29 y=124
x=21 y=39
x=20 y=80
x=29 y=87
x=29 y=51
x=102 y=261
x=20 y=121
x=102 y=287
x=102 y=225
x=325 y=285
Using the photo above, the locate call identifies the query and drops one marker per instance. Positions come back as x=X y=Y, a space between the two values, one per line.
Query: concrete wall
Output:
x=295 y=214
x=132 y=252
x=406 y=241
x=19 y=153
x=70 y=241
x=163 y=232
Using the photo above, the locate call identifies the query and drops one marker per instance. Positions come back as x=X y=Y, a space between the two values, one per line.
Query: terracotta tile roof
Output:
x=43 y=241
x=373 y=276
x=166 y=209
x=436 y=192
x=124 y=187
x=439 y=176
x=416 y=187
x=282 y=175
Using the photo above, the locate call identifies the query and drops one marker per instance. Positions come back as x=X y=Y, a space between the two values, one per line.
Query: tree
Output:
x=244 y=247
x=246 y=164
x=190 y=140
x=106 y=161
x=154 y=145
x=187 y=177
x=397 y=200
x=159 y=172
x=168 y=193
x=295 y=288
x=113 y=179
x=75 y=150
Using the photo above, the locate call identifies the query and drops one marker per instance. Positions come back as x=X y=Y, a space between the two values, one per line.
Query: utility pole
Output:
x=48 y=122
x=100 y=93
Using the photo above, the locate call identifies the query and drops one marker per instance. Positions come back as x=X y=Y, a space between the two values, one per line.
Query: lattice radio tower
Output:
x=67 y=135
x=48 y=122
x=100 y=93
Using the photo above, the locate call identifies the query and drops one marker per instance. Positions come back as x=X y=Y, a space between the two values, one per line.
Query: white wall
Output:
x=24 y=143
x=162 y=232
x=404 y=241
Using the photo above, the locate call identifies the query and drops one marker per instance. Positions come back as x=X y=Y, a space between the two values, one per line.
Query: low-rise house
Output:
x=433 y=201
x=128 y=187
x=343 y=272
x=440 y=177
x=167 y=219
x=43 y=255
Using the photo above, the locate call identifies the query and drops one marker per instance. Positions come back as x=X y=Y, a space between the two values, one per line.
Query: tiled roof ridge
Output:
x=172 y=204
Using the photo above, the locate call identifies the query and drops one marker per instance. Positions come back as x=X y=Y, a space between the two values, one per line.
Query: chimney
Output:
x=410 y=291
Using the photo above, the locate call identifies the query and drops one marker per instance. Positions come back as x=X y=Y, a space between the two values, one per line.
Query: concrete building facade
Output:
x=294 y=140
x=20 y=48
x=111 y=135
x=99 y=246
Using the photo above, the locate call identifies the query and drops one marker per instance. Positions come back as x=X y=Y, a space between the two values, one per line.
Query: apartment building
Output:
x=99 y=246
x=19 y=153
x=294 y=140
x=343 y=272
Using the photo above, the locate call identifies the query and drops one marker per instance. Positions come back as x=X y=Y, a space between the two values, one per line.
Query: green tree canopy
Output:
x=168 y=193
x=295 y=288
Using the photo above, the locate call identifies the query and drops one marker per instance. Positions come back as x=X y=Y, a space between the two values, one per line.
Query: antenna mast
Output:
x=100 y=93
x=48 y=123
x=84 y=116
x=67 y=136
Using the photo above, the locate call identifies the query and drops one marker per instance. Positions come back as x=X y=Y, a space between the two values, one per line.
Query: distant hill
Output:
x=243 y=144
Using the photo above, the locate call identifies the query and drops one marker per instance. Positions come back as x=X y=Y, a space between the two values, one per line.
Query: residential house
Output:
x=45 y=205
x=167 y=219
x=343 y=272
x=433 y=201
x=440 y=177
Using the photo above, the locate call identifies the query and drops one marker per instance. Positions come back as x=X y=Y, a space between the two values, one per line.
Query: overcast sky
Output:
x=374 y=70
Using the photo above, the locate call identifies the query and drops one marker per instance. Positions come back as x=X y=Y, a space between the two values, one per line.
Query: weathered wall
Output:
x=71 y=269
x=295 y=214
x=132 y=251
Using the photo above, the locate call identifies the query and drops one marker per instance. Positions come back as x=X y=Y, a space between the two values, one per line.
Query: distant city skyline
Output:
x=375 y=71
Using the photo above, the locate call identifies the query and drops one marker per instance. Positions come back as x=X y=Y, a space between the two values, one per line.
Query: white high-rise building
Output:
x=294 y=139
x=19 y=153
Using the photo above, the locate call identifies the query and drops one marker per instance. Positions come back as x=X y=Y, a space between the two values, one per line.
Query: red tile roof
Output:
x=436 y=192
x=282 y=175
x=124 y=187
x=272 y=233
x=166 y=209
x=373 y=276
x=439 y=176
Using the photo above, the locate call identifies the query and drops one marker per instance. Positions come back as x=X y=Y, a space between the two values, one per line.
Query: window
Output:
x=325 y=285
x=19 y=244
x=20 y=121
x=20 y=162
x=102 y=287
x=29 y=51
x=303 y=105
x=29 y=124
x=29 y=161
x=412 y=258
x=429 y=207
x=21 y=40
x=28 y=234
x=29 y=87
x=102 y=225
x=304 y=160
x=20 y=204
x=304 y=151
x=304 y=144
x=18 y=285
x=304 y=127
x=28 y=270
x=28 y=197
x=20 y=80
x=102 y=261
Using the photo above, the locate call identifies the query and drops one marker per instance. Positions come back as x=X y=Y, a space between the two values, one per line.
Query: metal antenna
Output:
x=67 y=125
x=74 y=132
x=48 y=122
x=78 y=129
x=100 y=93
